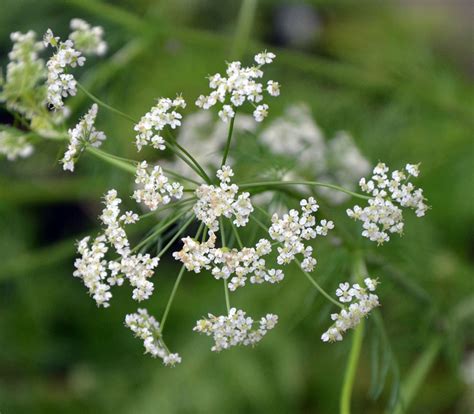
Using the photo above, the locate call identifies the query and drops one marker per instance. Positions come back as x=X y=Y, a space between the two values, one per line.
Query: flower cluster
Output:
x=234 y=329
x=383 y=215
x=154 y=187
x=14 y=146
x=24 y=71
x=153 y=122
x=94 y=270
x=214 y=202
x=147 y=328
x=59 y=83
x=86 y=38
x=224 y=262
x=361 y=303
x=294 y=228
x=83 y=134
x=240 y=85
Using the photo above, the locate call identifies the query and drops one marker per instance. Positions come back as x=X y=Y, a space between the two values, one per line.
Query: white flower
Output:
x=350 y=317
x=239 y=85
x=264 y=57
x=147 y=328
x=154 y=187
x=86 y=38
x=83 y=134
x=99 y=274
x=293 y=229
x=384 y=215
x=153 y=122
x=273 y=88
x=234 y=329
x=214 y=202
x=60 y=84
x=261 y=112
x=226 y=113
x=14 y=146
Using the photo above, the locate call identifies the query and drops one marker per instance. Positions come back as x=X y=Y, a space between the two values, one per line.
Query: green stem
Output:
x=417 y=375
x=244 y=27
x=226 y=288
x=175 y=237
x=359 y=271
x=229 y=139
x=103 y=104
x=175 y=288
x=111 y=159
x=167 y=207
x=171 y=298
x=349 y=376
x=318 y=287
x=310 y=183
x=159 y=230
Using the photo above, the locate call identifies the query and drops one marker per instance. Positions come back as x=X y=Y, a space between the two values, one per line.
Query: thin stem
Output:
x=159 y=230
x=349 y=376
x=244 y=27
x=226 y=288
x=237 y=237
x=175 y=237
x=171 y=298
x=318 y=287
x=111 y=159
x=359 y=271
x=103 y=104
x=174 y=149
x=310 y=183
x=179 y=203
x=229 y=139
x=175 y=289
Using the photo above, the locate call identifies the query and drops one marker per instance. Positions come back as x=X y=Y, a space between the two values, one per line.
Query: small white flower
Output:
x=264 y=57
x=226 y=113
x=273 y=88
x=261 y=112
x=86 y=38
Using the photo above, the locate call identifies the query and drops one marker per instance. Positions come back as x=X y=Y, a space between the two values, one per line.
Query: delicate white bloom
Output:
x=226 y=113
x=83 y=134
x=240 y=85
x=147 y=328
x=91 y=267
x=194 y=255
x=350 y=317
x=273 y=88
x=234 y=329
x=86 y=38
x=163 y=114
x=413 y=169
x=293 y=229
x=22 y=89
x=59 y=83
x=264 y=57
x=261 y=112
x=154 y=187
x=14 y=146
x=389 y=194
x=214 y=202
x=99 y=274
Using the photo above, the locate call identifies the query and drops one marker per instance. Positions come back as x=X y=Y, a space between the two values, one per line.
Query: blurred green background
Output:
x=396 y=75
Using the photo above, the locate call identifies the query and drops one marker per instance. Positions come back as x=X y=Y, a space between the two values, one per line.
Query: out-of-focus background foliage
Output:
x=397 y=75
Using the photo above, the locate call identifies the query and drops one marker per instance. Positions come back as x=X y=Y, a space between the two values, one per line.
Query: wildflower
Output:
x=154 y=187
x=294 y=228
x=350 y=317
x=14 y=146
x=384 y=215
x=240 y=85
x=261 y=112
x=147 y=328
x=21 y=89
x=59 y=83
x=234 y=329
x=153 y=122
x=98 y=274
x=83 y=134
x=214 y=202
x=86 y=38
